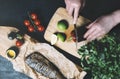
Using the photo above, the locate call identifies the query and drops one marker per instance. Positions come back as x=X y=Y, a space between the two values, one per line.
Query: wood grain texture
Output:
x=68 y=46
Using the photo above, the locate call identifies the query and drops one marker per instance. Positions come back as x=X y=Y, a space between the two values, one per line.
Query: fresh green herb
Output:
x=102 y=57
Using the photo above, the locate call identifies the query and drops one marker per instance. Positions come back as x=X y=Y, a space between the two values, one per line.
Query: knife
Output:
x=76 y=36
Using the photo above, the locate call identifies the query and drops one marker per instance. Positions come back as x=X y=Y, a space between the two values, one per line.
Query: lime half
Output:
x=53 y=39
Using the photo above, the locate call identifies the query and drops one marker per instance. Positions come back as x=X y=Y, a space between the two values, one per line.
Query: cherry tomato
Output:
x=37 y=22
x=19 y=43
x=74 y=38
x=40 y=28
x=73 y=33
x=27 y=22
x=30 y=28
x=33 y=16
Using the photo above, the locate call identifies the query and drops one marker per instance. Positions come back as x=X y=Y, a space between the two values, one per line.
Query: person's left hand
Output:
x=99 y=27
x=74 y=6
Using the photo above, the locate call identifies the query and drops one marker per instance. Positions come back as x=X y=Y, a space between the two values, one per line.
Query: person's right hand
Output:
x=74 y=6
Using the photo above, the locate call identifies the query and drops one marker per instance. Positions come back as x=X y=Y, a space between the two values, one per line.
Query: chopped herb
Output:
x=103 y=57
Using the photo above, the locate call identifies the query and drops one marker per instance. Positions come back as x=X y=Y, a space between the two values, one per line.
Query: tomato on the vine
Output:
x=33 y=16
x=30 y=28
x=40 y=28
x=37 y=22
x=26 y=22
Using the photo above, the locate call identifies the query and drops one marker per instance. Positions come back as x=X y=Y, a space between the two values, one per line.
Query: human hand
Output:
x=74 y=6
x=100 y=27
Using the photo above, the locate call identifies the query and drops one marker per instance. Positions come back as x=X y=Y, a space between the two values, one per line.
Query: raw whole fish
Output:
x=43 y=66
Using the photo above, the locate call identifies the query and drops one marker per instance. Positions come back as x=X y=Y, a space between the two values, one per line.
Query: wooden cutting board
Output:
x=68 y=46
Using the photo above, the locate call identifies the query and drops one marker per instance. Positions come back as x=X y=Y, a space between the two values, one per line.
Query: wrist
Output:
x=116 y=16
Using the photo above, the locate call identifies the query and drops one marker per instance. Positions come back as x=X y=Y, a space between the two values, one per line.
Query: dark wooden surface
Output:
x=14 y=12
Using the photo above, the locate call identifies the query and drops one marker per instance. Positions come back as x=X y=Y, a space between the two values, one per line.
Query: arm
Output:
x=74 y=6
x=102 y=25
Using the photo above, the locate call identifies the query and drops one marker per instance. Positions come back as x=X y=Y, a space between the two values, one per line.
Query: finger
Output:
x=82 y=5
x=96 y=36
x=76 y=12
x=67 y=5
x=92 y=24
x=93 y=35
x=70 y=11
x=66 y=8
x=65 y=1
x=89 y=32
x=89 y=26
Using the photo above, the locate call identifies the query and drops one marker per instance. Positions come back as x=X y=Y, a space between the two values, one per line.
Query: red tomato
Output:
x=18 y=43
x=27 y=22
x=30 y=28
x=33 y=16
x=74 y=38
x=40 y=28
x=73 y=33
x=37 y=22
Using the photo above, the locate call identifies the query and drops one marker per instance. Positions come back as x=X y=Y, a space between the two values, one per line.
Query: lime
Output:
x=62 y=25
x=53 y=39
x=61 y=36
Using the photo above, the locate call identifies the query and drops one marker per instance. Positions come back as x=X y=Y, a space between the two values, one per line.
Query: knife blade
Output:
x=76 y=36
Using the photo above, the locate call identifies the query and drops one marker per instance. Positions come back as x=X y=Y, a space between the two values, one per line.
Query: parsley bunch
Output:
x=102 y=57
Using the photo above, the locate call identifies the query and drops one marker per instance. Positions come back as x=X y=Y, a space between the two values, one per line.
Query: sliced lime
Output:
x=53 y=39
